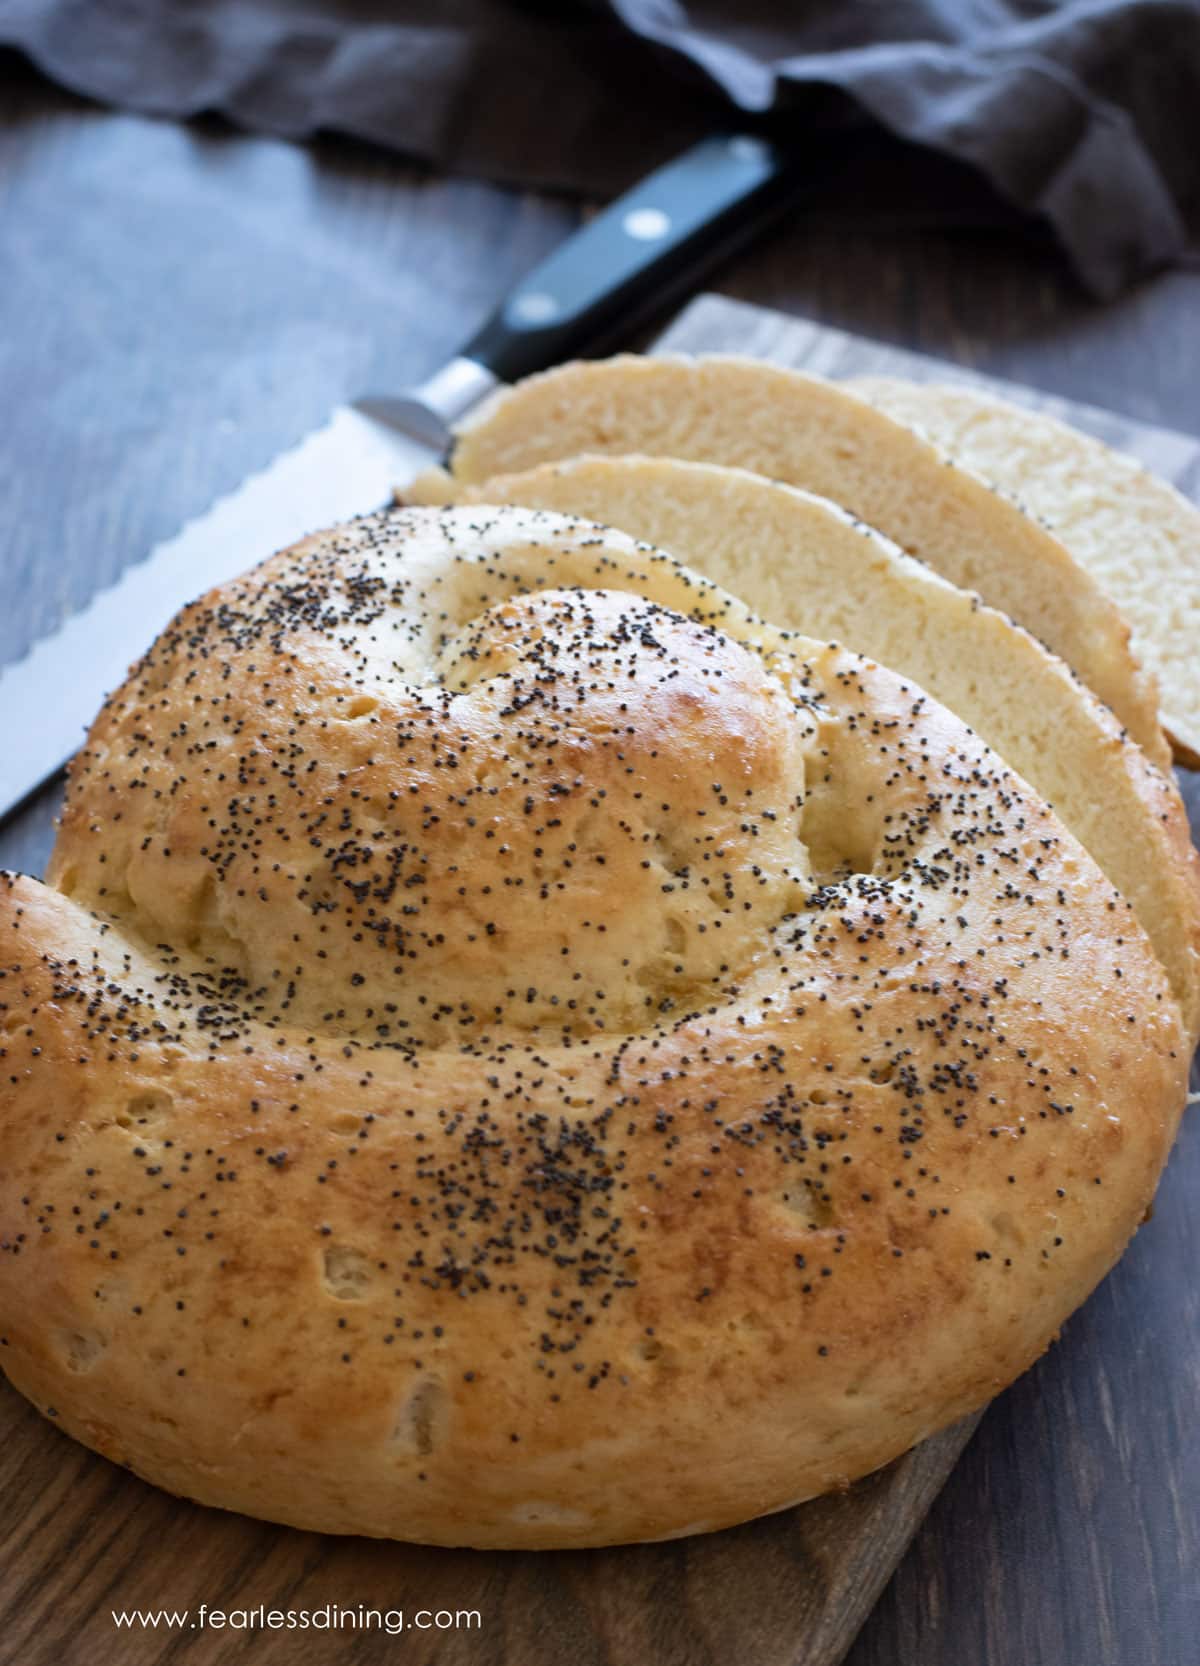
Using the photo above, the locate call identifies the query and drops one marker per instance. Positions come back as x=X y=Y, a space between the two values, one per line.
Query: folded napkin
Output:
x=1084 y=113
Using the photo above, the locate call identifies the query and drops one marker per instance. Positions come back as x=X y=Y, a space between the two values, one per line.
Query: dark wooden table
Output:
x=178 y=304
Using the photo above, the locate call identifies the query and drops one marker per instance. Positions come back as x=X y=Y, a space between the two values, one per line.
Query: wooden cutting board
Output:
x=80 y=1538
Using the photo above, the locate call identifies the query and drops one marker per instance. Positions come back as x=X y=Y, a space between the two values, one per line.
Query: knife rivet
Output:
x=534 y=306
x=748 y=149
x=646 y=224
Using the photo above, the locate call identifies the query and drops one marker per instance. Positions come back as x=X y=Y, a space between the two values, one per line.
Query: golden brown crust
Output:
x=517 y=1272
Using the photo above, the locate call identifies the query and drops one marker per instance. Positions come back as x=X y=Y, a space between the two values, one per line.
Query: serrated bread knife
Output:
x=640 y=252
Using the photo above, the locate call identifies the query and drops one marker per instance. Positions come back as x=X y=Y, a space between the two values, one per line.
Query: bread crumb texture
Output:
x=1137 y=535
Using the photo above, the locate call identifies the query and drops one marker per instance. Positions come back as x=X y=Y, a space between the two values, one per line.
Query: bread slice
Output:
x=1136 y=535
x=815 y=434
x=803 y=563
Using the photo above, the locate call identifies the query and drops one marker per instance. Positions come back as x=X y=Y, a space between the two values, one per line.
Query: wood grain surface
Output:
x=176 y=305
x=82 y=1538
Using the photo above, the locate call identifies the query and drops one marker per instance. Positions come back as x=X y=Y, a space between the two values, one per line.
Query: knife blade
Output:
x=632 y=258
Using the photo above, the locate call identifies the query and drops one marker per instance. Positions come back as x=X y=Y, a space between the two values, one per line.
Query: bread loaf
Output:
x=515 y=1050
x=802 y=562
x=816 y=434
x=1134 y=533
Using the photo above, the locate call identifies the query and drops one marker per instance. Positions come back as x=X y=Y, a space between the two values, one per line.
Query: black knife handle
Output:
x=633 y=255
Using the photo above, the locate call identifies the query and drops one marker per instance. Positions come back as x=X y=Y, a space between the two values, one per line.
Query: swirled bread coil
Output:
x=514 y=1050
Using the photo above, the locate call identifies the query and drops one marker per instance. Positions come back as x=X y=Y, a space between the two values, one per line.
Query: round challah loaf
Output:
x=515 y=1050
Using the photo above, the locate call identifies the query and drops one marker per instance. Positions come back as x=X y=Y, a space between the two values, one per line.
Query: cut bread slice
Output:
x=815 y=434
x=804 y=563
x=1134 y=533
